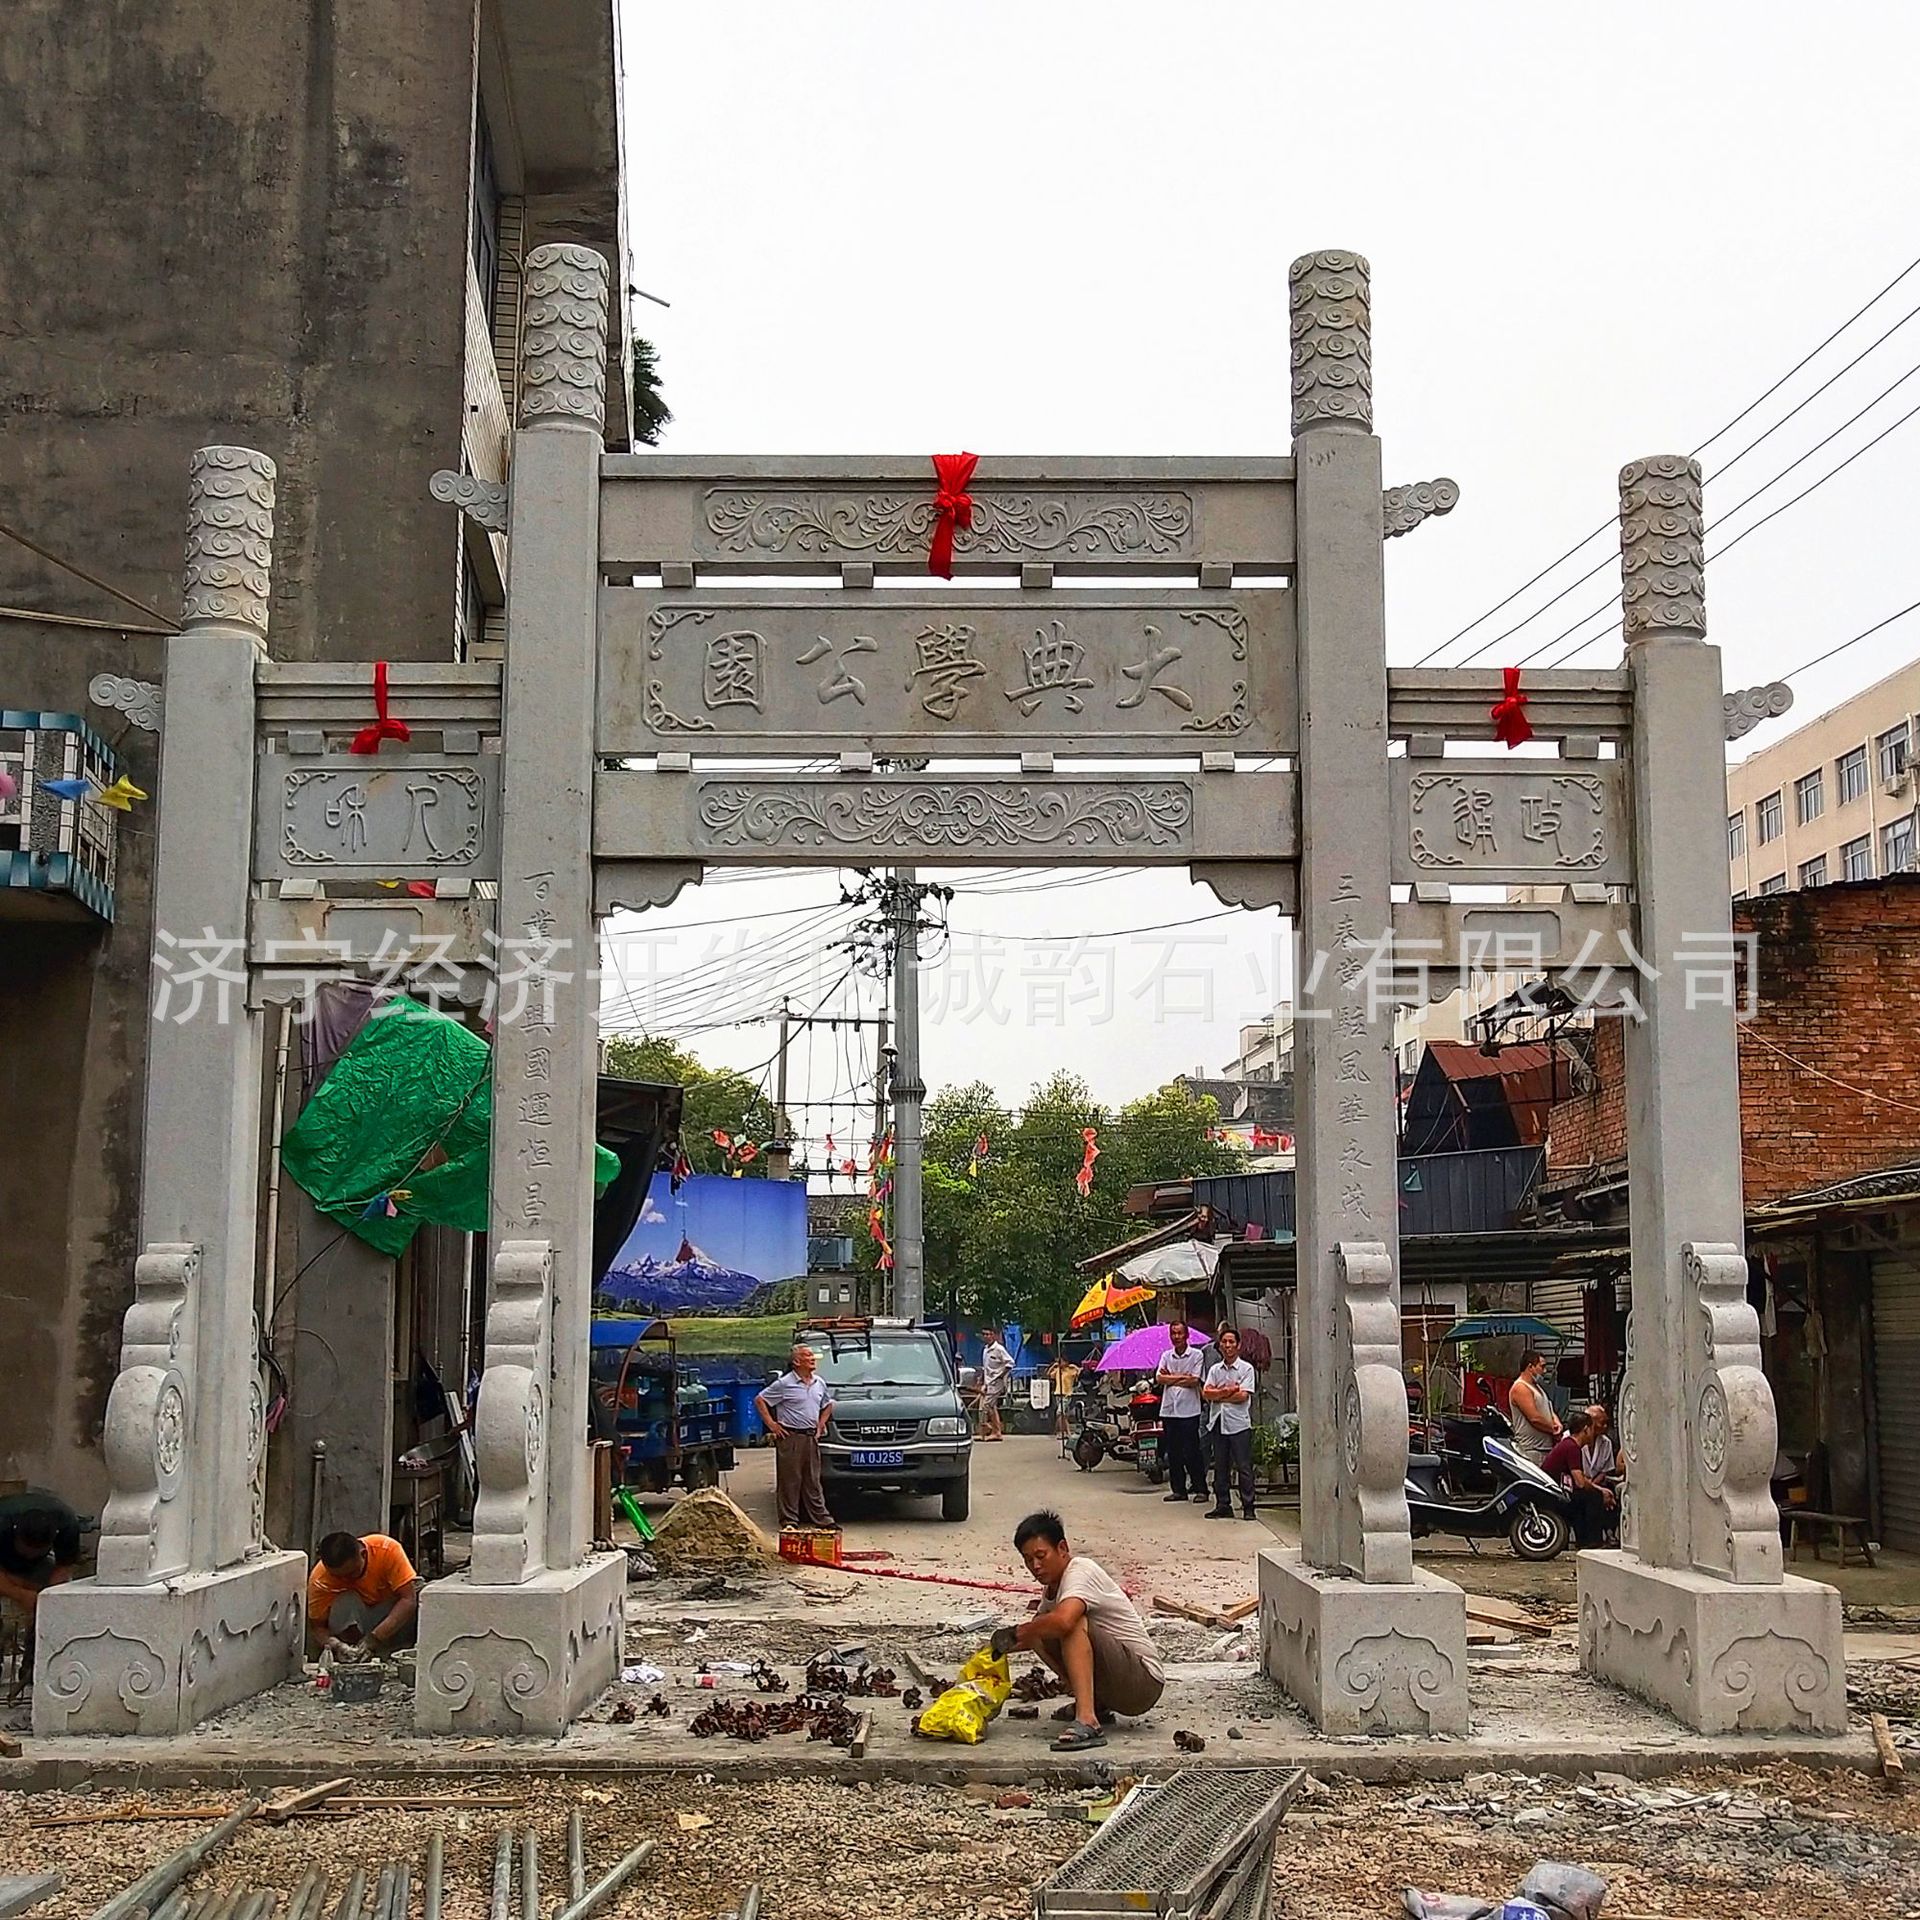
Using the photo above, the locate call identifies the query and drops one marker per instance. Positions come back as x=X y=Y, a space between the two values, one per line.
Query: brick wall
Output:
x=1840 y=992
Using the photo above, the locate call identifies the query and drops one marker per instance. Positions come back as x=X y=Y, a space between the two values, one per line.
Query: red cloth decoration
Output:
x=421 y=889
x=385 y=726
x=723 y=1140
x=1084 y=1178
x=1509 y=712
x=952 y=507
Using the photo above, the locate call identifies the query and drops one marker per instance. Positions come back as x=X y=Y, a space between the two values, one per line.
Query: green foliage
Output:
x=716 y=1097
x=651 y=414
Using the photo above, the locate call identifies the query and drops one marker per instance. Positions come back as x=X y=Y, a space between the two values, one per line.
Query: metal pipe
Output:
x=349 y=1907
x=502 y=1874
x=316 y=1486
x=430 y=1896
x=530 y=1876
x=608 y=1884
x=316 y=1901
x=149 y=1892
x=576 y=1856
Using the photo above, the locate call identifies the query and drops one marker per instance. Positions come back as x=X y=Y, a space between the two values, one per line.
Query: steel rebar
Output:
x=148 y=1893
x=749 y=1904
x=431 y=1891
x=502 y=1874
x=609 y=1883
x=356 y=1892
x=576 y=1856
x=530 y=1876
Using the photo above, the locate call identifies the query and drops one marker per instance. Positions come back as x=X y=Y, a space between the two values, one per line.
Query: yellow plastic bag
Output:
x=964 y=1711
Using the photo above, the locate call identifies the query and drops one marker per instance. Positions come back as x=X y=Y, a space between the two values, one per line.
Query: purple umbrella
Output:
x=1136 y=1352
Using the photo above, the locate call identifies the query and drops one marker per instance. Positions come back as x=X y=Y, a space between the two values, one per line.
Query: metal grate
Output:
x=888 y=1431
x=1166 y=1847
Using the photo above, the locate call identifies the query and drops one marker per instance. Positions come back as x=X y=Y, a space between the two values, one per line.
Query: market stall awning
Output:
x=1197 y=1223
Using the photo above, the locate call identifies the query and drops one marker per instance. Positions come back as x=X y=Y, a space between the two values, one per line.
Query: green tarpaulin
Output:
x=406 y=1110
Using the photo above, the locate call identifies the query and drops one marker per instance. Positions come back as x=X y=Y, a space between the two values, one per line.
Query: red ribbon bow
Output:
x=385 y=726
x=1509 y=712
x=952 y=507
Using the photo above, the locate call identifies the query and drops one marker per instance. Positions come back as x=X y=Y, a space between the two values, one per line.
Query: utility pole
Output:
x=780 y=1147
x=882 y=1079
x=909 y=1094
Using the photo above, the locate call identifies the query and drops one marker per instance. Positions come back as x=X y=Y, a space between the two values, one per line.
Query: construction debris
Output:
x=825 y=1675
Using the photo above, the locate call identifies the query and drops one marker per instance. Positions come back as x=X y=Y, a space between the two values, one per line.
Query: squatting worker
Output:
x=363 y=1595
x=39 y=1546
x=795 y=1409
x=1565 y=1462
x=1535 y=1424
x=1182 y=1368
x=1228 y=1394
x=1087 y=1630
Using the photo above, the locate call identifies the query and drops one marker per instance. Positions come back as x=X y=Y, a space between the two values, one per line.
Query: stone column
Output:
x=1354 y=1632
x=1694 y=1611
x=189 y=1612
x=531 y=1633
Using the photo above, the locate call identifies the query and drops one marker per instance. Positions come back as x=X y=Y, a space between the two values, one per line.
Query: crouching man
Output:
x=1087 y=1630
x=363 y=1596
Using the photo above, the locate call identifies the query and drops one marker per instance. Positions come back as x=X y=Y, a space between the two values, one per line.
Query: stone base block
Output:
x=1361 y=1658
x=1722 y=1658
x=525 y=1659
x=161 y=1659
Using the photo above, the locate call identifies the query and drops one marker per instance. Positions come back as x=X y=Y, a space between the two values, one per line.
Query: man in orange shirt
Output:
x=363 y=1595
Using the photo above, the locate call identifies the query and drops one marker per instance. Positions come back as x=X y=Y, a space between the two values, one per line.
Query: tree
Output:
x=715 y=1098
x=651 y=414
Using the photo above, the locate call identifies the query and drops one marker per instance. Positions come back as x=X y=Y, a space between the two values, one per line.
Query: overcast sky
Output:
x=1065 y=228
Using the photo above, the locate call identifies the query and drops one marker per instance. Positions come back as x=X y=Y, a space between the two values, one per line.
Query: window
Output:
x=1891 y=749
x=1852 y=771
x=1809 y=797
x=1778 y=884
x=1814 y=873
x=485 y=215
x=1856 y=857
x=1896 y=846
x=1736 y=835
x=1769 y=817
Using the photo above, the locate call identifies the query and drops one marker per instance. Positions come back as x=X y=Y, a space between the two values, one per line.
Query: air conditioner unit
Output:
x=1896 y=784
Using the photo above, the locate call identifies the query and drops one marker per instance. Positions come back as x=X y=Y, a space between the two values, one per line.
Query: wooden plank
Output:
x=1492 y=1614
x=303 y=1799
x=862 y=1733
x=1892 y=1768
x=130 y=1816
x=1201 y=1616
x=1242 y=1609
x=19 y=1892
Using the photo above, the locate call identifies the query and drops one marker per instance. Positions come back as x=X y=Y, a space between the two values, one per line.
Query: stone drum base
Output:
x=522 y=1659
x=1360 y=1658
x=1720 y=1657
x=160 y=1659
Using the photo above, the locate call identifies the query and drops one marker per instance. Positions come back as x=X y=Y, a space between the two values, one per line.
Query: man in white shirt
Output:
x=1087 y=1630
x=1179 y=1376
x=997 y=1363
x=795 y=1409
x=1228 y=1395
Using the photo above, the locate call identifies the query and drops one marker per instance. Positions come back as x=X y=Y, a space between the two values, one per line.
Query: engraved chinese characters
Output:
x=1479 y=820
x=947 y=672
x=344 y=819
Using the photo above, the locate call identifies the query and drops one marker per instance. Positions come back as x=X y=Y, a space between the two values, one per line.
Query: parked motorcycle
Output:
x=1100 y=1419
x=1477 y=1488
x=1149 y=1435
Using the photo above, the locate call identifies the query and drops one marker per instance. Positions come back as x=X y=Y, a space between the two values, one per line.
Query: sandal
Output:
x=1078 y=1738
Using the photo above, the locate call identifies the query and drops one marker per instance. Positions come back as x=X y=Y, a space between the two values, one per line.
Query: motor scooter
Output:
x=1479 y=1494
x=1149 y=1435
x=1100 y=1418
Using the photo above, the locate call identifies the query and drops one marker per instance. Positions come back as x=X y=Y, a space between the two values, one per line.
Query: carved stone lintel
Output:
x=1373 y=1411
x=1403 y=508
x=1332 y=342
x=1732 y=1429
x=484 y=502
x=229 y=538
x=1747 y=708
x=563 y=342
x=509 y=1516
x=1250 y=883
x=635 y=884
x=1662 y=561
x=144 y=1529
x=139 y=700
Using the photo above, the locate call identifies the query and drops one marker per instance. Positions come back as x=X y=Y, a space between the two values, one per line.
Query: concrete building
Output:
x=1833 y=800
x=301 y=229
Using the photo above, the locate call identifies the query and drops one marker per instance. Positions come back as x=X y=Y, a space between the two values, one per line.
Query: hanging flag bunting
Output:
x=419 y=889
x=746 y=1152
x=979 y=1154
x=121 y=795
x=830 y=1146
x=9 y=786
x=75 y=788
x=682 y=1167
x=723 y=1140
x=1084 y=1178
x=952 y=507
x=849 y=1169
x=385 y=726
x=1509 y=712
x=382 y=1207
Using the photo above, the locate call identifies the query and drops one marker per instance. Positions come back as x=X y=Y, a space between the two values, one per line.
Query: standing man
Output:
x=362 y=1595
x=1535 y=1424
x=1180 y=1374
x=795 y=1409
x=998 y=1365
x=1228 y=1395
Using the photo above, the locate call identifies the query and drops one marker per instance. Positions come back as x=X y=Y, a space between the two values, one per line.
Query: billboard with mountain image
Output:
x=707 y=1247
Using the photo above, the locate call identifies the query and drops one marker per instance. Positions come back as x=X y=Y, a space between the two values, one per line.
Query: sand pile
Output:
x=707 y=1533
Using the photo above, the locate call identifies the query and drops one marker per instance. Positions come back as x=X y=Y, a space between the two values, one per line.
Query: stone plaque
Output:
x=947 y=673
x=993 y=819
x=1514 y=822
x=383 y=816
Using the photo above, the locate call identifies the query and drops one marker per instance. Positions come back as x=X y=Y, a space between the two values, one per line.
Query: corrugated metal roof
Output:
x=1462 y=1060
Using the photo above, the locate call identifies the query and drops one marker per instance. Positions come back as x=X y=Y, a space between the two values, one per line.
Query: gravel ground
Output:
x=1779 y=1844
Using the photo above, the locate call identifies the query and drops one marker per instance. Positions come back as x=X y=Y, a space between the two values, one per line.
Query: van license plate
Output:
x=883 y=1457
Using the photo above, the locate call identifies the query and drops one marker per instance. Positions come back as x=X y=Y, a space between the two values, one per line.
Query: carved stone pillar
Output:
x=531 y=1633
x=189 y=1612
x=1693 y=1611
x=1363 y=1640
